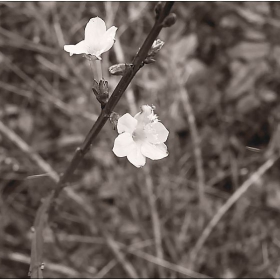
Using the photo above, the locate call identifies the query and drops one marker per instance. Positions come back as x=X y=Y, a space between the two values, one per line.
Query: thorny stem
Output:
x=105 y=113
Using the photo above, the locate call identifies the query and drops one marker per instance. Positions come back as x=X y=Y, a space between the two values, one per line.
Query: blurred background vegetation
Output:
x=233 y=52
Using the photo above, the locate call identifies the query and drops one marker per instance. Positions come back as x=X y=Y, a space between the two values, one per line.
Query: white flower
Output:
x=140 y=137
x=97 y=39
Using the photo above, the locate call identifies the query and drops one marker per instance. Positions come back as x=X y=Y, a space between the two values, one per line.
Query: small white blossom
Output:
x=140 y=137
x=97 y=39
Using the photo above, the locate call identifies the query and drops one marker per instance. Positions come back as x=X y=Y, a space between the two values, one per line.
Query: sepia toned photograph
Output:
x=139 y=140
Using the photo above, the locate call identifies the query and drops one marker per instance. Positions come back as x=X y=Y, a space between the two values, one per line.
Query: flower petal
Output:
x=107 y=40
x=143 y=116
x=76 y=49
x=94 y=31
x=154 y=151
x=156 y=132
x=123 y=145
x=136 y=157
x=126 y=123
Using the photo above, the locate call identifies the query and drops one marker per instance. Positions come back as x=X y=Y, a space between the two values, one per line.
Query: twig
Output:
x=183 y=232
x=19 y=42
x=64 y=270
x=13 y=137
x=114 y=247
x=120 y=257
x=105 y=113
x=149 y=183
x=164 y=263
x=78 y=238
x=36 y=263
x=254 y=178
x=196 y=143
x=105 y=269
x=155 y=217
x=115 y=97
x=129 y=92
x=39 y=161
x=44 y=93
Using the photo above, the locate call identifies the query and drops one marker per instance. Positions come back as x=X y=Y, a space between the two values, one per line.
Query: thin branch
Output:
x=17 y=41
x=105 y=269
x=39 y=161
x=149 y=183
x=254 y=178
x=113 y=246
x=121 y=257
x=196 y=144
x=155 y=217
x=183 y=232
x=21 y=258
x=115 y=97
x=177 y=268
x=129 y=92
x=45 y=96
x=13 y=137
x=105 y=113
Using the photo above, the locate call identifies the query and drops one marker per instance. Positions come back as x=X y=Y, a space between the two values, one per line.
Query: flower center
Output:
x=139 y=134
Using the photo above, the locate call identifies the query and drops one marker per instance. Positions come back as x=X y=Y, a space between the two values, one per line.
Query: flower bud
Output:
x=119 y=69
x=103 y=87
x=170 y=20
x=158 y=9
x=103 y=96
x=156 y=47
x=114 y=119
x=95 y=88
x=101 y=91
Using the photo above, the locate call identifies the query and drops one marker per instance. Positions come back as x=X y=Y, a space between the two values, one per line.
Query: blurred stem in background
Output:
x=146 y=170
x=204 y=207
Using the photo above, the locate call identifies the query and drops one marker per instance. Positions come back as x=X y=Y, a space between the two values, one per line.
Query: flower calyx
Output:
x=156 y=47
x=101 y=92
x=120 y=69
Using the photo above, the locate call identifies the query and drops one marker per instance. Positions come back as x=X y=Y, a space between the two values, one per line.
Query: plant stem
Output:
x=254 y=178
x=115 y=97
x=104 y=115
